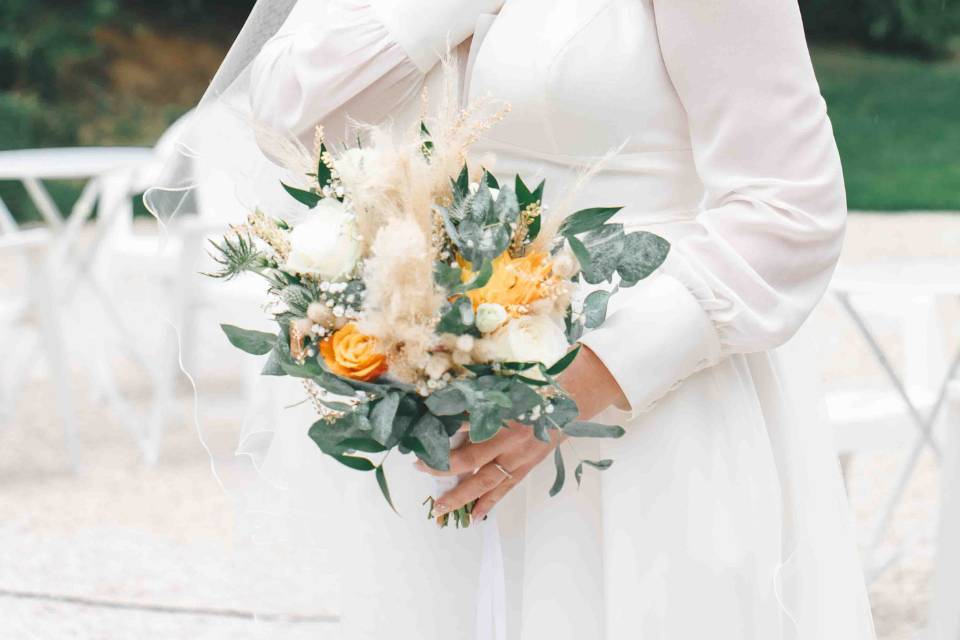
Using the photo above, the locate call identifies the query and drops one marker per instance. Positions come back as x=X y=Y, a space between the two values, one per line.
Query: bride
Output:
x=723 y=515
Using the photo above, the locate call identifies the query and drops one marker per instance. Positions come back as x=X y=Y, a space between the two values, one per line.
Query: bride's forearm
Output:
x=592 y=386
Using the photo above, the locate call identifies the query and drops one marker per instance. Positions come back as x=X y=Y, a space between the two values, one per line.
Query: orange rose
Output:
x=352 y=354
x=515 y=281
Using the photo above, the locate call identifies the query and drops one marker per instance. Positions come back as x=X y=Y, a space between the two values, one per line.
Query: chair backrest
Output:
x=7 y=223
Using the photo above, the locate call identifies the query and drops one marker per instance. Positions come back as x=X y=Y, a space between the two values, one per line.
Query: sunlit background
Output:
x=111 y=525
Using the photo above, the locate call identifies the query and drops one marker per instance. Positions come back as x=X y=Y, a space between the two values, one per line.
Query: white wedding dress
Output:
x=723 y=516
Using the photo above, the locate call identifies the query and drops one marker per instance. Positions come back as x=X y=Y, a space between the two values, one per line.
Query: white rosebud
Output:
x=529 y=339
x=303 y=326
x=490 y=316
x=464 y=343
x=565 y=264
x=462 y=357
x=319 y=313
x=325 y=244
x=438 y=365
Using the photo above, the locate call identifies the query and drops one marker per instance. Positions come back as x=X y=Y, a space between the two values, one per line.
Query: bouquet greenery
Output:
x=412 y=300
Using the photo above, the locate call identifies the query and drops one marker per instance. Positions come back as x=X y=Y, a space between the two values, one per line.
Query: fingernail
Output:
x=439 y=510
x=478 y=515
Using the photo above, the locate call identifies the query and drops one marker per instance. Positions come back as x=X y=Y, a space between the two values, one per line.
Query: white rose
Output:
x=529 y=339
x=490 y=315
x=326 y=244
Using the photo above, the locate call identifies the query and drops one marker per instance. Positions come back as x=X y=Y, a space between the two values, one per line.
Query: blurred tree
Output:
x=41 y=47
x=928 y=28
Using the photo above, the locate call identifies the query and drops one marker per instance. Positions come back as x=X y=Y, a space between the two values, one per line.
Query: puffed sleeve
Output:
x=770 y=232
x=362 y=58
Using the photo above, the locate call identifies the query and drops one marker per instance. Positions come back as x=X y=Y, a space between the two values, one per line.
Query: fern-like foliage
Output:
x=236 y=256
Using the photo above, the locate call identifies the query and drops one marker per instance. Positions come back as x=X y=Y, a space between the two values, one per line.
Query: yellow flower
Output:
x=352 y=354
x=516 y=282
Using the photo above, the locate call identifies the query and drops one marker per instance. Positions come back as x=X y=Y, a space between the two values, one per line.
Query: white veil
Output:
x=304 y=524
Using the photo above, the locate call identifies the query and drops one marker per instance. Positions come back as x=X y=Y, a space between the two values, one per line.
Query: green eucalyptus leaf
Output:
x=481 y=208
x=382 y=417
x=432 y=435
x=580 y=252
x=561 y=472
x=449 y=401
x=485 y=422
x=360 y=464
x=363 y=444
x=643 y=252
x=478 y=281
x=458 y=318
x=581 y=429
x=461 y=186
x=604 y=245
x=272 y=366
x=506 y=207
x=256 y=343
x=541 y=431
x=564 y=411
x=599 y=465
x=595 y=308
x=384 y=488
x=533 y=382
x=447 y=276
x=330 y=435
x=587 y=220
x=491 y=180
x=324 y=174
x=574 y=329
x=521 y=399
x=524 y=197
x=561 y=365
x=308 y=198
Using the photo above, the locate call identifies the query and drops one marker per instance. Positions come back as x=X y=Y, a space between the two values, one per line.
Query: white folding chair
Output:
x=31 y=308
x=943 y=621
x=905 y=415
x=174 y=255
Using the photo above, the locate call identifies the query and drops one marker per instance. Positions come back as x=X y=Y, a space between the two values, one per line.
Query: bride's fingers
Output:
x=489 y=500
x=469 y=489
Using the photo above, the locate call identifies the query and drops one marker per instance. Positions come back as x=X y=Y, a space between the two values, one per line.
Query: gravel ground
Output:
x=126 y=550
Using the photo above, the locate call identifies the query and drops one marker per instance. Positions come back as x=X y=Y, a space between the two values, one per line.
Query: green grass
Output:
x=897 y=122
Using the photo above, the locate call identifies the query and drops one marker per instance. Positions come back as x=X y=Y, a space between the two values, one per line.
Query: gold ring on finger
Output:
x=503 y=471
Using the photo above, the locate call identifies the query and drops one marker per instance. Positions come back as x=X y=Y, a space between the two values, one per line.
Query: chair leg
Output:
x=55 y=351
x=944 y=615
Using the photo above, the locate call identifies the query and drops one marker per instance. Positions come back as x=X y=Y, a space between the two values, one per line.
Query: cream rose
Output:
x=326 y=244
x=528 y=339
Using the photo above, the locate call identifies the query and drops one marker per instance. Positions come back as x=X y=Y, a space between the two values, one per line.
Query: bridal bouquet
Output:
x=414 y=296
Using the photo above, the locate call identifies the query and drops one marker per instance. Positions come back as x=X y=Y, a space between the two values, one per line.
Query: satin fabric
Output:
x=723 y=515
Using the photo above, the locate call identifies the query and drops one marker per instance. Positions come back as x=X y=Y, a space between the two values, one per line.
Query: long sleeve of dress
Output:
x=772 y=225
x=362 y=58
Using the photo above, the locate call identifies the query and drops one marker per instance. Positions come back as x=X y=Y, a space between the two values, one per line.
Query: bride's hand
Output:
x=504 y=460
x=500 y=463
